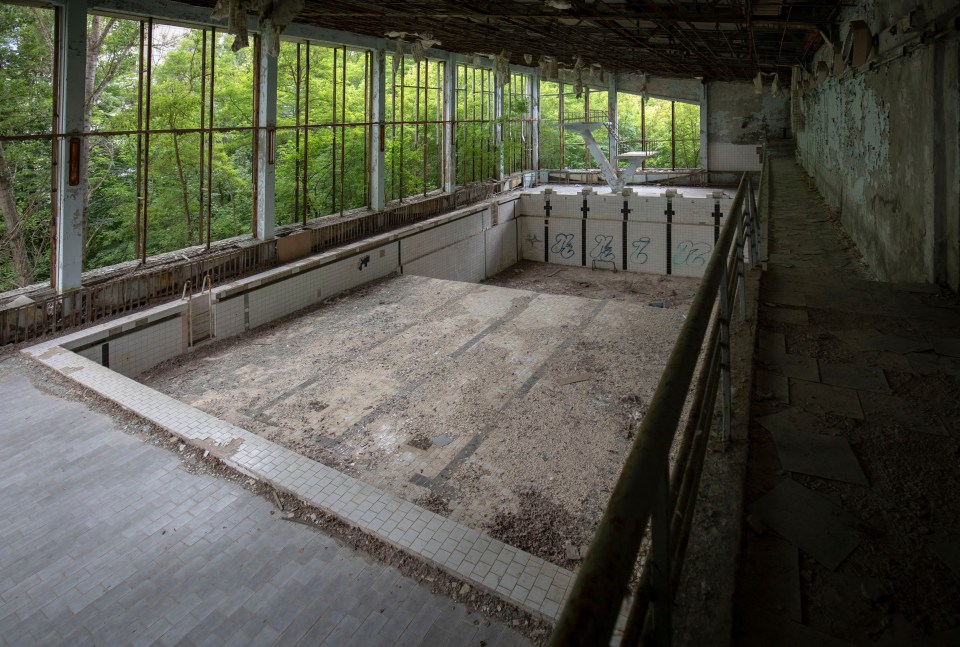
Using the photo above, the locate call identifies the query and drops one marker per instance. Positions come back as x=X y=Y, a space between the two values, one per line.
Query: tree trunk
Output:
x=16 y=240
x=183 y=187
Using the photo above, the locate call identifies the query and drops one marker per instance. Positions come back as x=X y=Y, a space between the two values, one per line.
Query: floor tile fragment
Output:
x=814 y=524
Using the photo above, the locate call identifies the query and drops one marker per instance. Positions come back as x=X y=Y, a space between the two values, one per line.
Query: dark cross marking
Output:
x=626 y=212
x=583 y=233
x=669 y=213
x=546 y=231
x=364 y=262
x=717 y=214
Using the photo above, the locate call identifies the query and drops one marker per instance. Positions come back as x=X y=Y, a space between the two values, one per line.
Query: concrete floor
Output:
x=875 y=366
x=108 y=540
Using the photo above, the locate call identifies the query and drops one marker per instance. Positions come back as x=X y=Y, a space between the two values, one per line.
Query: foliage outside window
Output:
x=517 y=127
x=26 y=108
x=414 y=127
x=650 y=126
x=322 y=131
x=474 y=129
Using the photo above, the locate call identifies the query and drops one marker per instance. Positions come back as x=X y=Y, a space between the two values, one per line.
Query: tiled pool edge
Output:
x=519 y=578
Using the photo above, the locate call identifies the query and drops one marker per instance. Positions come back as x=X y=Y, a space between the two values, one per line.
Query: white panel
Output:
x=530 y=204
x=138 y=351
x=351 y=272
x=604 y=244
x=228 y=318
x=531 y=238
x=692 y=246
x=431 y=240
x=508 y=210
x=501 y=247
x=564 y=240
x=462 y=261
x=646 y=247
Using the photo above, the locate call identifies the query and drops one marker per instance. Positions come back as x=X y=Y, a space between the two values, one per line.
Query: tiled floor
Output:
x=520 y=578
x=108 y=540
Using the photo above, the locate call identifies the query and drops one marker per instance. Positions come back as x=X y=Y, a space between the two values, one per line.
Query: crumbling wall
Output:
x=881 y=143
x=736 y=114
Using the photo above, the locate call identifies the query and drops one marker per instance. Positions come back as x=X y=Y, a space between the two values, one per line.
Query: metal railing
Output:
x=149 y=286
x=648 y=490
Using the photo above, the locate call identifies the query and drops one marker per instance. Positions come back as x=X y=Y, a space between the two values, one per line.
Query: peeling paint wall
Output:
x=882 y=146
x=737 y=115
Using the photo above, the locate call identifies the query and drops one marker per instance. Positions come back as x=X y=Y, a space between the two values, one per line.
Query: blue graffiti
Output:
x=563 y=246
x=604 y=249
x=638 y=246
x=692 y=254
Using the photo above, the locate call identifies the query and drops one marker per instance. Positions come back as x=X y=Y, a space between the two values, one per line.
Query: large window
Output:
x=671 y=128
x=414 y=127
x=26 y=124
x=323 y=130
x=476 y=148
x=517 y=126
x=559 y=104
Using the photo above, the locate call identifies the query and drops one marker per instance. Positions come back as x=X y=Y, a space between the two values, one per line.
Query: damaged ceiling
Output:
x=713 y=39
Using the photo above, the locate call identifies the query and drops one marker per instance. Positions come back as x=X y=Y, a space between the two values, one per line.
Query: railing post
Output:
x=740 y=282
x=662 y=597
x=725 y=352
x=754 y=227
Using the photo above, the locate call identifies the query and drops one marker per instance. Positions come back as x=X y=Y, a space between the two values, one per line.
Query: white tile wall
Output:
x=605 y=243
x=137 y=351
x=413 y=247
x=347 y=274
x=646 y=247
x=564 y=241
x=692 y=246
x=501 y=247
x=228 y=318
x=462 y=261
x=530 y=231
x=530 y=204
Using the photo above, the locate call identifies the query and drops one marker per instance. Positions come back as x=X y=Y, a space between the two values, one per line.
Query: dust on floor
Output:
x=508 y=410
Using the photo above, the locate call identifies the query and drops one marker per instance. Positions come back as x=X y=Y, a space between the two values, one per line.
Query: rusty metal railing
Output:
x=650 y=490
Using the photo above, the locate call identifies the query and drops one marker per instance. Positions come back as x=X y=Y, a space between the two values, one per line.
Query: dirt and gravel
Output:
x=474 y=401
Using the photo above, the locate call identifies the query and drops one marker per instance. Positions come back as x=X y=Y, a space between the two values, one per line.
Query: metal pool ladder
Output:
x=199 y=312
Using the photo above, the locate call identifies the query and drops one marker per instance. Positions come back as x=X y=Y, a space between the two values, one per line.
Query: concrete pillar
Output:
x=266 y=150
x=68 y=255
x=703 y=128
x=535 y=117
x=449 y=132
x=378 y=87
x=498 y=123
x=614 y=155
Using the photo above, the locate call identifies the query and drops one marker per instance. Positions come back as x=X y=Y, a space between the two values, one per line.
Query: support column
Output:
x=378 y=111
x=449 y=132
x=612 y=118
x=267 y=136
x=535 y=117
x=68 y=259
x=703 y=129
x=498 y=123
